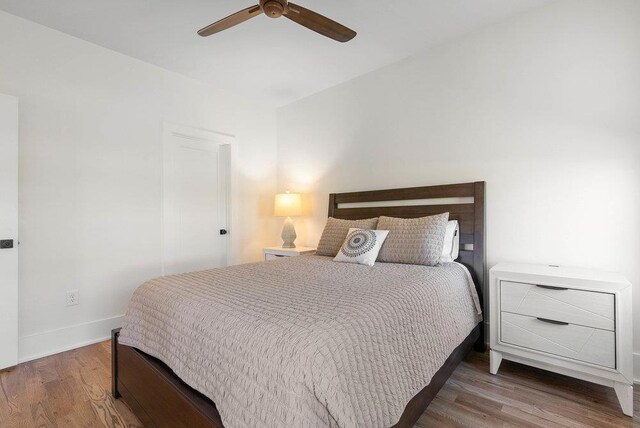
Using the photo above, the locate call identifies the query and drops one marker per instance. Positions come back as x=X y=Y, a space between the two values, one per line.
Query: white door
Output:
x=8 y=231
x=195 y=199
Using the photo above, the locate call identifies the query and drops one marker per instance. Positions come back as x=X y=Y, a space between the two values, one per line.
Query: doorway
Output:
x=8 y=231
x=196 y=192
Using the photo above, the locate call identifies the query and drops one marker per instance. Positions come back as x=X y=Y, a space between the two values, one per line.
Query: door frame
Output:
x=9 y=299
x=226 y=143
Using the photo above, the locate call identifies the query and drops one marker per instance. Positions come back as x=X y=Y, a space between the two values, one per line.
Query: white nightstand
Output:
x=272 y=253
x=572 y=321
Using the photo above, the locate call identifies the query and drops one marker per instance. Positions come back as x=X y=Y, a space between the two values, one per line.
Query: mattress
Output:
x=305 y=341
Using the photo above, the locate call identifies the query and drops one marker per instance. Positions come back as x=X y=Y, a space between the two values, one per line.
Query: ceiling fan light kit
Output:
x=277 y=8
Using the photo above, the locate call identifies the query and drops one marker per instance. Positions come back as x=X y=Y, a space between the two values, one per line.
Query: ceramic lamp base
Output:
x=288 y=234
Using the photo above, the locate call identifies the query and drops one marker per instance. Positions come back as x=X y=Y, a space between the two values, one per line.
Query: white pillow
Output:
x=361 y=246
x=451 y=247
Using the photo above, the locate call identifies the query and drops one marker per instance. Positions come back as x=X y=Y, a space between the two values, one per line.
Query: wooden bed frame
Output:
x=161 y=399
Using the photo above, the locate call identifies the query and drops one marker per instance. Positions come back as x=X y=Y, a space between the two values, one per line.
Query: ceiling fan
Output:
x=278 y=8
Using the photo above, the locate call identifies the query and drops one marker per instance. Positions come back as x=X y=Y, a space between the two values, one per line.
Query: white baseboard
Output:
x=51 y=342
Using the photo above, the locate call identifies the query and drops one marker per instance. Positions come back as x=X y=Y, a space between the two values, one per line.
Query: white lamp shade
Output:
x=287 y=205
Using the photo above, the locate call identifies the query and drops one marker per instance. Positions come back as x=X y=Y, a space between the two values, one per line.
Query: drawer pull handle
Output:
x=551 y=287
x=552 y=321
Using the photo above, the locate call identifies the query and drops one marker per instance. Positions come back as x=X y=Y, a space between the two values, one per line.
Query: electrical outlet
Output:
x=72 y=297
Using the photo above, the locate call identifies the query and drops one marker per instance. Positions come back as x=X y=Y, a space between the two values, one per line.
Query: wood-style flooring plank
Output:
x=72 y=389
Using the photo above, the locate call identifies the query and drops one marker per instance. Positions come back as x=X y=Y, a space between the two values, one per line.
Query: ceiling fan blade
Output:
x=318 y=23
x=230 y=21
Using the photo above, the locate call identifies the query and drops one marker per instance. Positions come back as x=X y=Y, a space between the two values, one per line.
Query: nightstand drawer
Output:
x=273 y=256
x=578 y=342
x=586 y=308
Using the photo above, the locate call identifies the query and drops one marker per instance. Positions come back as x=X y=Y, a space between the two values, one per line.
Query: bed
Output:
x=306 y=341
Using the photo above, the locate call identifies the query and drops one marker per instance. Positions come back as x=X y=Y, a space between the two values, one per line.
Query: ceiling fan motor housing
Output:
x=273 y=8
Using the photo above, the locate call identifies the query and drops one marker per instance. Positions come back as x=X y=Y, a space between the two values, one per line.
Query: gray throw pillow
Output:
x=335 y=232
x=416 y=241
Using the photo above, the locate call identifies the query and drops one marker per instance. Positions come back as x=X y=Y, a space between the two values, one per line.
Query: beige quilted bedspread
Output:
x=305 y=341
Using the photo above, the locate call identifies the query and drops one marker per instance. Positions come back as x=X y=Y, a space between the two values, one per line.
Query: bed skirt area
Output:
x=159 y=398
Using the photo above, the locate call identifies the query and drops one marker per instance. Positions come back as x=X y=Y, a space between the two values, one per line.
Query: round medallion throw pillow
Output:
x=361 y=246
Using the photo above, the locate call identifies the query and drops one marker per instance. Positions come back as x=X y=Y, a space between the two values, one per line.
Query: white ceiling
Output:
x=275 y=61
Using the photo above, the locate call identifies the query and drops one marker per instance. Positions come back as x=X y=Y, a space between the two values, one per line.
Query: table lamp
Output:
x=288 y=205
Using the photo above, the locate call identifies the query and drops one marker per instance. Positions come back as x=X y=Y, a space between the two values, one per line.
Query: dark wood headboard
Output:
x=470 y=215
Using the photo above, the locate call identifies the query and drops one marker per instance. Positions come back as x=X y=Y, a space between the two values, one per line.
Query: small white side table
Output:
x=573 y=321
x=272 y=253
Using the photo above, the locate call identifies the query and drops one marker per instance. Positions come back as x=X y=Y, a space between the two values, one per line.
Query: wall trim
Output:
x=636 y=368
x=43 y=344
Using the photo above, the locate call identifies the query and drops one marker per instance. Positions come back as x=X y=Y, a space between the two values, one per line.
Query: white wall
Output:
x=90 y=159
x=545 y=107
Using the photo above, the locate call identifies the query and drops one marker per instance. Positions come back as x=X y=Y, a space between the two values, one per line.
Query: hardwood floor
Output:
x=72 y=389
